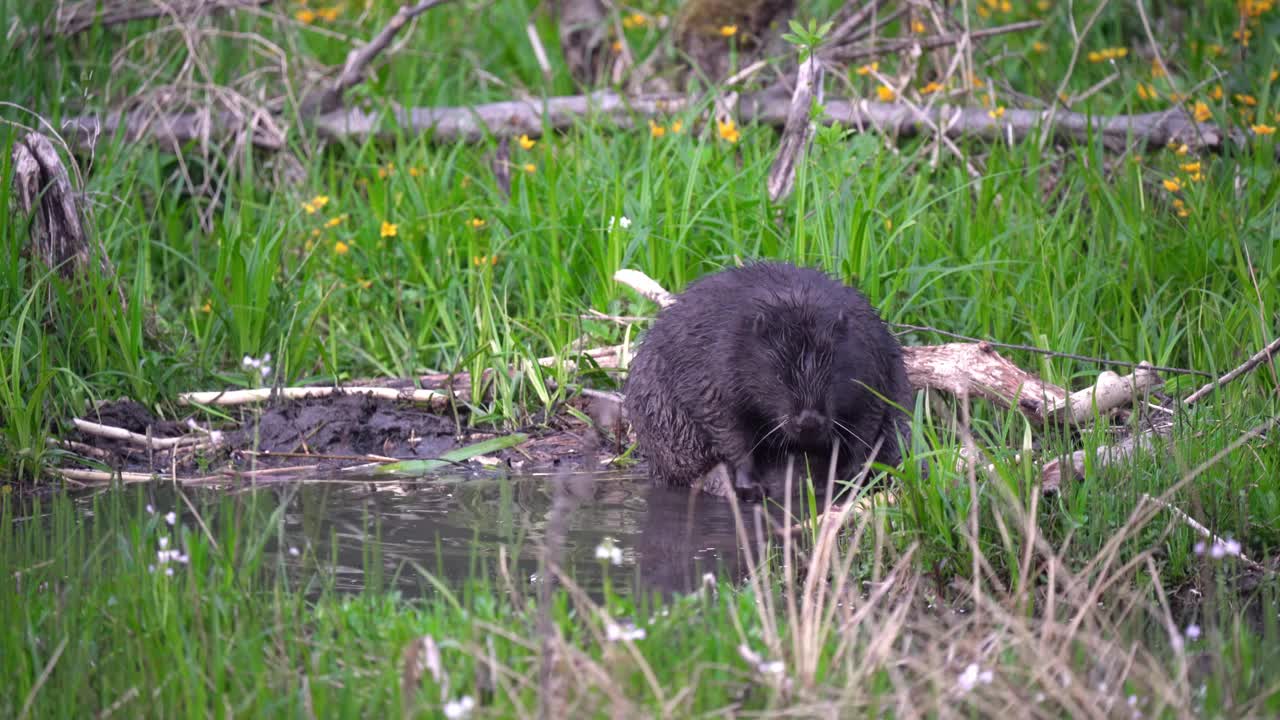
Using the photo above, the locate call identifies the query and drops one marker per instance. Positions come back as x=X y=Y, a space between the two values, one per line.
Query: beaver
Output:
x=756 y=362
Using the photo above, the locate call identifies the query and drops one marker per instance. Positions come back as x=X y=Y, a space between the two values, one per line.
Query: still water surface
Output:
x=453 y=528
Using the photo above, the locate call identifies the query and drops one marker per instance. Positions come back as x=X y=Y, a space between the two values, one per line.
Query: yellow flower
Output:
x=634 y=20
x=1043 y=5
x=931 y=88
x=1195 y=177
x=1243 y=37
x=529 y=167
x=1038 y=47
x=1191 y=167
x=656 y=130
x=305 y=16
x=888 y=224
x=1173 y=185
x=1275 y=75
x=415 y=171
x=328 y=14
x=677 y=126
x=918 y=27
x=1263 y=129
x=526 y=143
x=983 y=11
x=975 y=81
x=1146 y=92
x=997 y=113
x=364 y=284
x=315 y=203
x=617 y=46
x=868 y=68
x=1106 y=54
x=1214 y=49
x=1176 y=97
x=1244 y=99
x=389 y=229
x=1180 y=207
x=1216 y=93
x=1157 y=70
x=207 y=307
x=386 y=170
x=728 y=130
x=1178 y=148
x=340 y=248
x=335 y=220
x=1006 y=6
x=728 y=30
x=885 y=93
x=476 y=223
x=1201 y=112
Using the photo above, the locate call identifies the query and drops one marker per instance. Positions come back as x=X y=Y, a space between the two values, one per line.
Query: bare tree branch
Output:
x=798 y=130
x=353 y=72
x=74 y=18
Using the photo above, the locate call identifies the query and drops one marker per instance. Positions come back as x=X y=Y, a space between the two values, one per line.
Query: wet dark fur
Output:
x=727 y=373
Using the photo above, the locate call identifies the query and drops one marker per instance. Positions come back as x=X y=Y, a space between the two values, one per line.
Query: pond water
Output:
x=667 y=538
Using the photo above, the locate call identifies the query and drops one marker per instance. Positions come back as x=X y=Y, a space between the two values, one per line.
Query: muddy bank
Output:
x=319 y=434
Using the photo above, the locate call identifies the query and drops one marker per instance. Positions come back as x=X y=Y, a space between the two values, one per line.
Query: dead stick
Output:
x=242 y=397
x=358 y=60
x=1253 y=362
x=513 y=118
x=1201 y=530
x=74 y=18
x=119 y=433
x=933 y=42
x=99 y=476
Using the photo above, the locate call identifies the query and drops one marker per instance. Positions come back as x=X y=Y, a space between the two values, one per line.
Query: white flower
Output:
x=459 y=708
x=293 y=551
x=1232 y=547
x=1216 y=551
x=171 y=517
x=168 y=571
x=773 y=667
x=248 y=361
x=1198 y=548
x=1192 y=631
x=614 y=632
x=623 y=222
x=971 y=676
x=608 y=551
x=266 y=370
x=164 y=543
x=150 y=510
x=266 y=358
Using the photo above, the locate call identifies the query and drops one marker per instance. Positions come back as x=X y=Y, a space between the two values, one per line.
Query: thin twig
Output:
x=1257 y=359
x=1200 y=529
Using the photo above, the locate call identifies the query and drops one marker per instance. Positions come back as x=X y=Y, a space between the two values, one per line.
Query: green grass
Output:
x=1074 y=249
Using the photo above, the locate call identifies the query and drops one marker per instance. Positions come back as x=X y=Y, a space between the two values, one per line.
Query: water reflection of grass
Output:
x=163 y=615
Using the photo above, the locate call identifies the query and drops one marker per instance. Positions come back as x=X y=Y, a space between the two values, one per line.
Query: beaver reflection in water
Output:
x=753 y=363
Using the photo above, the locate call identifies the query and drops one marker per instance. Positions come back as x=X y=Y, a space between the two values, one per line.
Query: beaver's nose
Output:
x=811 y=421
